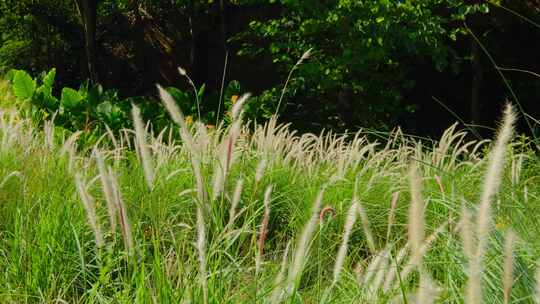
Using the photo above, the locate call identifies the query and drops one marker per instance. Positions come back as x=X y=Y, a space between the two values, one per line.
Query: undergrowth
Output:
x=263 y=215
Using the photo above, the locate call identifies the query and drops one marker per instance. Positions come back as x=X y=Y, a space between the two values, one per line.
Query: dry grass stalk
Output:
x=388 y=282
x=492 y=181
x=407 y=270
x=342 y=252
x=259 y=173
x=305 y=56
x=140 y=135
x=382 y=270
x=234 y=203
x=201 y=250
x=175 y=113
x=508 y=266
x=178 y=117
x=125 y=226
x=366 y=227
x=416 y=215
x=107 y=188
x=302 y=249
x=493 y=177
x=89 y=207
x=227 y=147
x=263 y=230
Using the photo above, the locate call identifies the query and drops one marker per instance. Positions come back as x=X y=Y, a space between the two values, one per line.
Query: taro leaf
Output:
x=23 y=85
x=70 y=98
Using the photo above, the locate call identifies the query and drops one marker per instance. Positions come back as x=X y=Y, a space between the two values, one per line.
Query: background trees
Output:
x=374 y=63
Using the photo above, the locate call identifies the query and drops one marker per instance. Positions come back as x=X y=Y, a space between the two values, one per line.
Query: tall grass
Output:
x=233 y=215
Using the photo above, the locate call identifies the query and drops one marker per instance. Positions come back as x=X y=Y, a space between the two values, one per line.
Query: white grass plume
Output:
x=493 y=177
x=492 y=181
x=175 y=112
x=90 y=209
x=263 y=230
x=234 y=203
x=301 y=250
x=259 y=172
x=366 y=227
x=508 y=268
x=416 y=215
x=236 y=111
x=125 y=226
x=107 y=188
x=140 y=135
x=342 y=252
x=201 y=251
x=178 y=117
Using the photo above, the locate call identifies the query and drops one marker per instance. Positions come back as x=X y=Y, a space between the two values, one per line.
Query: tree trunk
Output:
x=88 y=12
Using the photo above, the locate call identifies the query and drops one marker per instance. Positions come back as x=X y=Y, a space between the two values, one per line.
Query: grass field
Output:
x=259 y=214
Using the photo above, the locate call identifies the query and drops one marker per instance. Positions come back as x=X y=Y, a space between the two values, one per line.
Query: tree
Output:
x=88 y=13
x=364 y=53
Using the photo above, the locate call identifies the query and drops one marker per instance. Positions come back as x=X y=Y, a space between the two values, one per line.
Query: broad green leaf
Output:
x=48 y=80
x=23 y=85
x=70 y=98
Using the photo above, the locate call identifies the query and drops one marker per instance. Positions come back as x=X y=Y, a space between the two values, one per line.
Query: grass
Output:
x=262 y=215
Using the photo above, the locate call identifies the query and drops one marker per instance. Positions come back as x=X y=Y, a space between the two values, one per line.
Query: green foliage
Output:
x=89 y=108
x=48 y=232
x=36 y=35
x=364 y=53
x=23 y=85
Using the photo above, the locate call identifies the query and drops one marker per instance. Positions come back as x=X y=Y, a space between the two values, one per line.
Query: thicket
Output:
x=373 y=63
x=240 y=215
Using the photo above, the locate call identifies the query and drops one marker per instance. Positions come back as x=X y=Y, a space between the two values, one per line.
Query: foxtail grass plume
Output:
x=263 y=230
x=493 y=177
x=366 y=227
x=90 y=209
x=145 y=156
x=174 y=111
x=342 y=252
x=201 y=251
x=259 y=172
x=508 y=268
x=125 y=226
x=416 y=215
x=492 y=181
x=107 y=188
x=301 y=250
x=234 y=203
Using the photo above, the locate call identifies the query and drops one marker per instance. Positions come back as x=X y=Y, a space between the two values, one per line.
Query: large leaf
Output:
x=48 y=80
x=70 y=98
x=23 y=85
